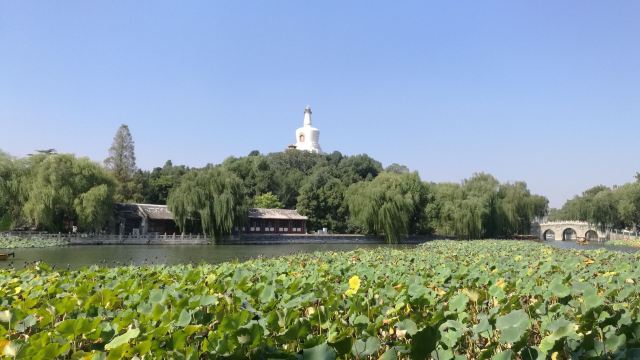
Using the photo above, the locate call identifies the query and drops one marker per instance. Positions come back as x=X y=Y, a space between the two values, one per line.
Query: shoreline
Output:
x=62 y=240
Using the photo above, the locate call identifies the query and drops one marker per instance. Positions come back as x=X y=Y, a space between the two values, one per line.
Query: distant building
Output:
x=307 y=137
x=142 y=219
x=276 y=221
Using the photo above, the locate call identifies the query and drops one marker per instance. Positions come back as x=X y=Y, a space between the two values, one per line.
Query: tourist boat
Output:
x=582 y=241
x=5 y=256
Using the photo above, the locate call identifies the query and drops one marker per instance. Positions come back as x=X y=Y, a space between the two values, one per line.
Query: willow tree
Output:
x=469 y=218
x=60 y=189
x=11 y=190
x=214 y=196
x=517 y=208
x=387 y=205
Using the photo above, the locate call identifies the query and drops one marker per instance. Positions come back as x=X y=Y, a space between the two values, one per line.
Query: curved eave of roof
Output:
x=279 y=214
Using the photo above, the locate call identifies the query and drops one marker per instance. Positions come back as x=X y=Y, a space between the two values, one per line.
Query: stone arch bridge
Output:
x=569 y=231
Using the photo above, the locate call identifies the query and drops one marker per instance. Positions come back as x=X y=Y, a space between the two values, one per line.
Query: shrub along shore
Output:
x=441 y=300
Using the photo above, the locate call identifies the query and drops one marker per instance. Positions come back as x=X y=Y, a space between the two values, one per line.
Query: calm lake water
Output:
x=112 y=255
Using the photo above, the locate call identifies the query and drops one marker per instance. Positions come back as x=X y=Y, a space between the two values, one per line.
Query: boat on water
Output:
x=5 y=256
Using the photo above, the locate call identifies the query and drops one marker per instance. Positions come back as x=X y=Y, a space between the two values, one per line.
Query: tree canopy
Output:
x=122 y=164
x=351 y=194
x=389 y=205
x=59 y=189
x=483 y=207
x=605 y=207
x=214 y=196
x=268 y=201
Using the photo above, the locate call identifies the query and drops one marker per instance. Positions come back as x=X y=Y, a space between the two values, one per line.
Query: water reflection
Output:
x=112 y=255
x=74 y=257
x=593 y=245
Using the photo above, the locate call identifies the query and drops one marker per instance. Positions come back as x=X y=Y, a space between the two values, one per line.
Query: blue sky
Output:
x=542 y=91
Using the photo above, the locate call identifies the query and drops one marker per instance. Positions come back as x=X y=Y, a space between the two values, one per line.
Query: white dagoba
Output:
x=307 y=136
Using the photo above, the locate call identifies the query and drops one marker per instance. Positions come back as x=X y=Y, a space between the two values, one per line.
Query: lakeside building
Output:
x=276 y=221
x=142 y=219
x=307 y=137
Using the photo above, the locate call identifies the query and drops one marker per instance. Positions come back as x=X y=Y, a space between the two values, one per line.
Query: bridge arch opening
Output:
x=549 y=235
x=591 y=235
x=569 y=235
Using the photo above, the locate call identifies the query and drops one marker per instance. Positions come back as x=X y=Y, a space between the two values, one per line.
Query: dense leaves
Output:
x=59 y=189
x=483 y=207
x=268 y=201
x=345 y=194
x=605 y=207
x=122 y=164
x=213 y=196
x=479 y=299
x=388 y=205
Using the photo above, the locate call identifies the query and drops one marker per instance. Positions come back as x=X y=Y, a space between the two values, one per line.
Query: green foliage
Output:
x=60 y=188
x=357 y=168
x=322 y=200
x=122 y=164
x=483 y=207
x=12 y=190
x=212 y=195
x=94 y=207
x=315 y=184
x=398 y=169
x=442 y=300
x=267 y=201
x=387 y=205
x=604 y=207
x=157 y=183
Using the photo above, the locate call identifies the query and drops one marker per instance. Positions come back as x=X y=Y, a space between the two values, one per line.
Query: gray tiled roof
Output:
x=156 y=212
x=285 y=214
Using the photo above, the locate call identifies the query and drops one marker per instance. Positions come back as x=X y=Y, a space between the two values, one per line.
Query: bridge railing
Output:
x=624 y=234
x=550 y=223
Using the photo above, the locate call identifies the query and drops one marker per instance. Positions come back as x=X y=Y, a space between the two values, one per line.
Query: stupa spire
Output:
x=307 y=136
x=307 y=115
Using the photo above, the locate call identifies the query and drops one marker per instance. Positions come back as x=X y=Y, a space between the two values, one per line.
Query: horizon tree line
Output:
x=347 y=194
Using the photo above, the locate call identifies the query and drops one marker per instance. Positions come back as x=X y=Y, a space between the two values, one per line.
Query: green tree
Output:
x=386 y=205
x=157 y=184
x=267 y=201
x=94 y=207
x=321 y=199
x=122 y=164
x=357 y=168
x=604 y=213
x=470 y=218
x=483 y=207
x=61 y=189
x=517 y=208
x=445 y=206
x=214 y=196
x=628 y=203
x=10 y=191
x=397 y=168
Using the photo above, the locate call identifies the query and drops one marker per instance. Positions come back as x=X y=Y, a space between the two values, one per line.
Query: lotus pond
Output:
x=633 y=242
x=442 y=300
x=14 y=242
